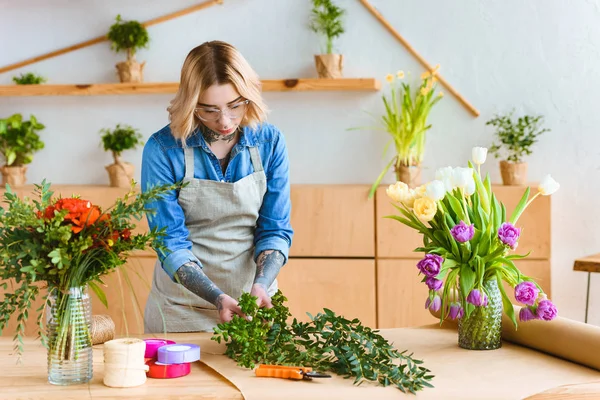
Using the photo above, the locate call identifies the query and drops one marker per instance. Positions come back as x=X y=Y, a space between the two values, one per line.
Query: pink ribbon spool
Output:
x=152 y=346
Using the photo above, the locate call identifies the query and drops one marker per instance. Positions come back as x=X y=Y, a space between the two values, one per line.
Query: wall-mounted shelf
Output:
x=281 y=85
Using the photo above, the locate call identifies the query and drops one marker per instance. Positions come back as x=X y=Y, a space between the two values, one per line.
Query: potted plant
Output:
x=116 y=141
x=468 y=240
x=405 y=120
x=326 y=20
x=28 y=79
x=516 y=139
x=129 y=36
x=18 y=142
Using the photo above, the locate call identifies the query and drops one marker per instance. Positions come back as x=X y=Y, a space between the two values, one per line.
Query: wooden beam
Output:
x=423 y=62
x=271 y=85
x=99 y=39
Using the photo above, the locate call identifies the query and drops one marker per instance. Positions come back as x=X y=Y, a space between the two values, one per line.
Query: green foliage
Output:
x=65 y=243
x=326 y=20
x=120 y=139
x=128 y=35
x=29 y=79
x=516 y=137
x=19 y=139
x=327 y=343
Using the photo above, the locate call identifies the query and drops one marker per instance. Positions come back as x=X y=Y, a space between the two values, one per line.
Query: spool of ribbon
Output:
x=178 y=353
x=152 y=346
x=159 y=370
x=124 y=362
x=102 y=329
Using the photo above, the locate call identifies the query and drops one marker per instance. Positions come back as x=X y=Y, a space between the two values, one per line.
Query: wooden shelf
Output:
x=282 y=85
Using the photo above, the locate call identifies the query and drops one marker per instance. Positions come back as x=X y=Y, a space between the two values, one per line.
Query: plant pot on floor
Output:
x=513 y=174
x=14 y=176
x=120 y=174
x=131 y=71
x=411 y=175
x=329 y=65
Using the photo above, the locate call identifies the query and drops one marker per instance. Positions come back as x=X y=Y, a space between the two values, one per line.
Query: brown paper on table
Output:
x=561 y=337
x=511 y=372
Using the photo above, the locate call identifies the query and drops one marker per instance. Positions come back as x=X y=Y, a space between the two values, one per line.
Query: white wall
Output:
x=538 y=57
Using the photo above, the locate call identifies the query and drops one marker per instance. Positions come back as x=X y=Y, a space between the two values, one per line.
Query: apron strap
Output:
x=189 y=162
x=256 y=161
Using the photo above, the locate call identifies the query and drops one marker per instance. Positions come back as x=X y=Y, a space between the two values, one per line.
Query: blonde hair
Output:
x=214 y=63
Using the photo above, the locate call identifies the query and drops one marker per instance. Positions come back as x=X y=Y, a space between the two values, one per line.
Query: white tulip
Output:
x=397 y=191
x=436 y=190
x=462 y=177
x=548 y=186
x=470 y=189
x=479 y=155
x=446 y=175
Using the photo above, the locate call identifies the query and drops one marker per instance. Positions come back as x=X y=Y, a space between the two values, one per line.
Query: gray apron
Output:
x=221 y=219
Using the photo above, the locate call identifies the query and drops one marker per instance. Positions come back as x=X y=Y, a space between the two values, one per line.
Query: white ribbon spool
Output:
x=124 y=364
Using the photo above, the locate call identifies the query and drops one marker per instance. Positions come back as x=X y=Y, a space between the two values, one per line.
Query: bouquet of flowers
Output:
x=467 y=241
x=67 y=245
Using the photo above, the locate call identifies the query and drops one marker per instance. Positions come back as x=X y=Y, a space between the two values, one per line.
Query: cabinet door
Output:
x=346 y=287
x=400 y=295
x=332 y=221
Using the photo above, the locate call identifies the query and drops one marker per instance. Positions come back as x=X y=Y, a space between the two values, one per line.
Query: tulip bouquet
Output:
x=467 y=240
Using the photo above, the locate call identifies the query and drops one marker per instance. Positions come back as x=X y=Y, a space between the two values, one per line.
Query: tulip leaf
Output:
x=467 y=279
x=520 y=207
x=508 y=306
x=456 y=207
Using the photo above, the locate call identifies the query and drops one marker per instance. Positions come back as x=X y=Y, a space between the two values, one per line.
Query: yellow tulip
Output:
x=389 y=78
x=420 y=191
x=397 y=192
x=400 y=74
x=425 y=208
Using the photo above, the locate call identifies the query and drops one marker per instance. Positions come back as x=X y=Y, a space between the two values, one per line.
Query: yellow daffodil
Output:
x=400 y=74
x=389 y=78
x=435 y=70
x=441 y=94
x=424 y=91
x=425 y=75
x=434 y=79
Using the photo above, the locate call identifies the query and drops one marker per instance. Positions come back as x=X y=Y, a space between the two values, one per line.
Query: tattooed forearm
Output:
x=195 y=280
x=268 y=264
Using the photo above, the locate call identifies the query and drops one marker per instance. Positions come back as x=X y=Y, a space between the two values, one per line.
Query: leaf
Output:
x=520 y=207
x=379 y=178
x=508 y=306
x=99 y=292
x=456 y=207
x=467 y=279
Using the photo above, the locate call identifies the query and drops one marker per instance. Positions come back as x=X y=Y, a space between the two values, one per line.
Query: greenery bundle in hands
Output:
x=327 y=343
x=326 y=20
x=19 y=139
x=516 y=137
x=129 y=36
x=120 y=139
x=29 y=79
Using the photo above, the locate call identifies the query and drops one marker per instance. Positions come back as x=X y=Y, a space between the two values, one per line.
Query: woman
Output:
x=228 y=231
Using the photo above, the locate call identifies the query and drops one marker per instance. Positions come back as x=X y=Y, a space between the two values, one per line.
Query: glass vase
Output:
x=483 y=328
x=69 y=340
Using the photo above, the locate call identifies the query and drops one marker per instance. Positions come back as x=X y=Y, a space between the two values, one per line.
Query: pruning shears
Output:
x=285 y=372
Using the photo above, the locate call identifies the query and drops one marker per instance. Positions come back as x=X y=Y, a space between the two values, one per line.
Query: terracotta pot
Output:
x=14 y=176
x=513 y=174
x=120 y=174
x=131 y=71
x=329 y=65
x=411 y=175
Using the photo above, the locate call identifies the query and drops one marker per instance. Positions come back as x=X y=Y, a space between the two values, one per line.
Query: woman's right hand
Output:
x=227 y=308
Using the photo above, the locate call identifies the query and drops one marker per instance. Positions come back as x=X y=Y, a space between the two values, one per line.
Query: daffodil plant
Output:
x=468 y=239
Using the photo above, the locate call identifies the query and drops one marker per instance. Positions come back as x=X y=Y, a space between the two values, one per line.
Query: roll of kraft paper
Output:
x=159 y=370
x=178 y=353
x=152 y=346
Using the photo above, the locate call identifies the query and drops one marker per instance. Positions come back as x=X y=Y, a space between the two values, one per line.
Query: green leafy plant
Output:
x=19 y=139
x=129 y=36
x=516 y=137
x=326 y=20
x=327 y=343
x=120 y=139
x=29 y=79
x=65 y=243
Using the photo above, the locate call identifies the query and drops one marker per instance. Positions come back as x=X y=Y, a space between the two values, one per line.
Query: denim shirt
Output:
x=163 y=162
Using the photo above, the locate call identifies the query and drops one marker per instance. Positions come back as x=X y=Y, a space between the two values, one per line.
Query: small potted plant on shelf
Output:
x=116 y=141
x=326 y=20
x=29 y=79
x=129 y=36
x=516 y=137
x=18 y=142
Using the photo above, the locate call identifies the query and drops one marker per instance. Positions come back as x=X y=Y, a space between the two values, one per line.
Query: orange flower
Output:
x=88 y=218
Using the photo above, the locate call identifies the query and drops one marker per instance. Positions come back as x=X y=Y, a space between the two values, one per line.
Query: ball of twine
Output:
x=102 y=329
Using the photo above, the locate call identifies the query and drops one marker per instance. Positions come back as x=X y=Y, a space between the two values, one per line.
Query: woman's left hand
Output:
x=264 y=300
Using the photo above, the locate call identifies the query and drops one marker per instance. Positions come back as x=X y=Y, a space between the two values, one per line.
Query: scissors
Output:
x=285 y=372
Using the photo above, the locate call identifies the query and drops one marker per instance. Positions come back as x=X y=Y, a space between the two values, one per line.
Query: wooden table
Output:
x=588 y=264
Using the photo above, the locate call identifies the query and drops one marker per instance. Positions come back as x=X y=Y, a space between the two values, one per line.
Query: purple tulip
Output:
x=509 y=234
x=546 y=310
x=462 y=232
x=430 y=265
x=526 y=314
x=477 y=298
x=433 y=283
x=526 y=293
x=456 y=311
x=434 y=305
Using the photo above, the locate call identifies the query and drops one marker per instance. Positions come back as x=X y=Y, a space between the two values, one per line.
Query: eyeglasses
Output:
x=234 y=111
